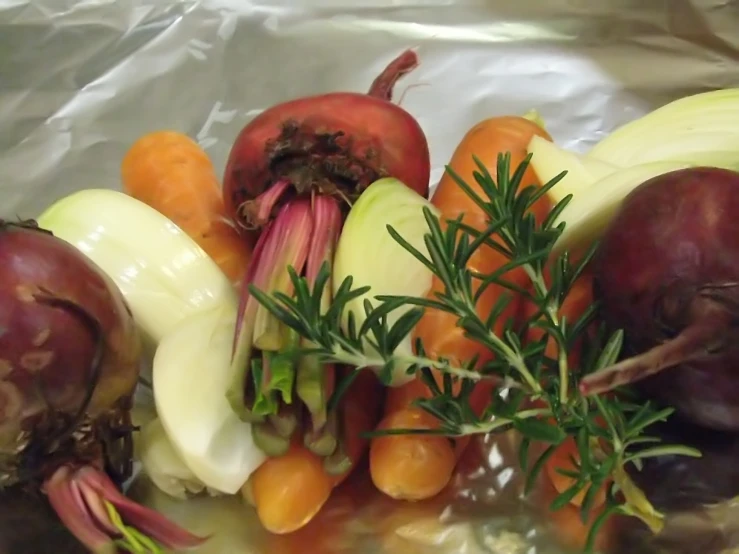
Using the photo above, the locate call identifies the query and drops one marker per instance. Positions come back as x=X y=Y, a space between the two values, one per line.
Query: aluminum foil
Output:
x=80 y=80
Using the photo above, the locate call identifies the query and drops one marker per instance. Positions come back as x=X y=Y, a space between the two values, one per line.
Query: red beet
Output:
x=335 y=144
x=293 y=172
x=667 y=273
x=69 y=363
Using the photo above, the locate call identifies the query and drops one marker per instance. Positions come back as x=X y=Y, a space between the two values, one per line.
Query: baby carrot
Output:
x=411 y=467
x=415 y=467
x=289 y=490
x=420 y=466
x=172 y=174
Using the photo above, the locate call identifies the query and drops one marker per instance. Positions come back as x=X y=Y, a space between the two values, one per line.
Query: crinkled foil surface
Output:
x=81 y=80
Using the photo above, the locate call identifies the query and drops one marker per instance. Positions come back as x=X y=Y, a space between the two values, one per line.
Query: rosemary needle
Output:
x=606 y=449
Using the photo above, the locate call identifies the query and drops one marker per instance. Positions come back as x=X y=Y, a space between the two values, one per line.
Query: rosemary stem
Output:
x=500 y=422
x=552 y=310
x=564 y=375
x=519 y=364
x=362 y=360
x=499 y=345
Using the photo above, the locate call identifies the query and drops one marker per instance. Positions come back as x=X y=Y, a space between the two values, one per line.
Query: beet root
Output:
x=667 y=273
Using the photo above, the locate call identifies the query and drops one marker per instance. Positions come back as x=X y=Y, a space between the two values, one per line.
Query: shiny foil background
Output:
x=81 y=80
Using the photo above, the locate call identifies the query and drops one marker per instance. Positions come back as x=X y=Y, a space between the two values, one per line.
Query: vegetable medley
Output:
x=320 y=307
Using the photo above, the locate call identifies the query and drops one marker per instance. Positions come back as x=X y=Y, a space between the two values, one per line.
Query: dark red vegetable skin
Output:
x=682 y=487
x=45 y=350
x=375 y=127
x=69 y=364
x=668 y=262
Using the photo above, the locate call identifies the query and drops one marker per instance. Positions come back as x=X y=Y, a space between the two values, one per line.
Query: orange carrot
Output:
x=569 y=529
x=172 y=174
x=438 y=331
x=411 y=467
x=579 y=299
x=563 y=459
x=394 y=460
x=289 y=490
x=416 y=467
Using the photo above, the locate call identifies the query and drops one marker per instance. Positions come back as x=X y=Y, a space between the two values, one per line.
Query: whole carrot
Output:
x=397 y=460
x=289 y=490
x=172 y=174
x=438 y=330
x=567 y=455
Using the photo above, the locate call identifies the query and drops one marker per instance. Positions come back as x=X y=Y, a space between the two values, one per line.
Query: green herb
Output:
x=609 y=431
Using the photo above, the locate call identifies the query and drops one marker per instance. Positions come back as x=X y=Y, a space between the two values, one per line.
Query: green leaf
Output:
x=597 y=525
x=523 y=453
x=412 y=250
x=265 y=402
x=664 y=450
x=645 y=419
x=598 y=482
x=539 y=430
x=611 y=351
x=536 y=468
x=564 y=498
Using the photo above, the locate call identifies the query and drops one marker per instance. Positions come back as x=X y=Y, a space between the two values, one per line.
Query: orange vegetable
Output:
x=488 y=139
x=579 y=299
x=411 y=467
x=569 y=529
x=573 y=307
x=562 y=459
x=396 y=460
x=289 y=490
x=171 y=173
x=419 y=466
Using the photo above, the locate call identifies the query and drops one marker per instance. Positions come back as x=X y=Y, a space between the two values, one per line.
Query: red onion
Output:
x=667 y=273
x=69 y=363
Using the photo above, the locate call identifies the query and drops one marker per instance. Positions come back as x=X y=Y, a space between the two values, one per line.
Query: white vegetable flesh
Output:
x=191 y=375
x=368 y=253
x=163 y=274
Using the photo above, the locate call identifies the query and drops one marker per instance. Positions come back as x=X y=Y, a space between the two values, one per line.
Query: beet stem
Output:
x=382 y=86
x=70 y=507
x=140 y=519
x=259 y=212
x=687 y=346
x=97 y=508
x=323 y=441
x=286 y=420
x=285 y=242
x=269 y=439
x=314 y=379
x=288 y=247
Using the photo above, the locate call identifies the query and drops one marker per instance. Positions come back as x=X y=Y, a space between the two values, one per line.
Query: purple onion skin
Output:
x=667 y=264
x=53 y=303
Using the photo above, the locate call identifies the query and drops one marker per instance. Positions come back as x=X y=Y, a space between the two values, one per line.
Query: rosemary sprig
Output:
x=537 y=395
